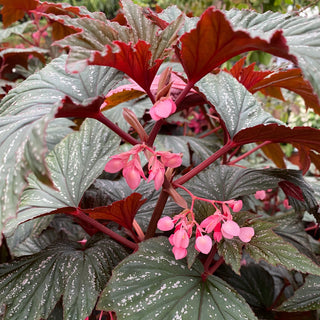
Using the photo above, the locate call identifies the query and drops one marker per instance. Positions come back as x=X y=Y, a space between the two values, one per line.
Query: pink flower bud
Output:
x=203 y=244
x=217 y=234
x=179 y=253
x=163 y=108
x=246 y=233
x=165 y=224
x=260 y=195
x=236 y=206
x=230 y=229
x=286 y=204
x=156 y=172
x=133 y=172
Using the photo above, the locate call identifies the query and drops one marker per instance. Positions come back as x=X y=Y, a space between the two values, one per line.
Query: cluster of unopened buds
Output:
x=130 y=164
x=220 y=223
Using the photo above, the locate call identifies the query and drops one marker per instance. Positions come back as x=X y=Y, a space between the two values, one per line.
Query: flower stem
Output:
x=203 y=165
x=124 y=135
x=83 y=217
x=155 y=130
x=217 y=264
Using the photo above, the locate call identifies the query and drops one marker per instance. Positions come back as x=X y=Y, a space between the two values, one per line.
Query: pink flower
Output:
x=133 y=172
x=236 y=206
x=165 y=224
x=260 y=195
x=180 y=239
x=230 y=229
x=156 y=172
x=172 y=160
x=163 y=108
x=246 y=233
x=117 y=162
x=179 y=253
x=210 y=222
x=217 y=234
x=286 y=204
x=203 y=244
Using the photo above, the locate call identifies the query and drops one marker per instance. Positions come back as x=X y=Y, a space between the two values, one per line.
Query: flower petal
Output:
x=246 y=233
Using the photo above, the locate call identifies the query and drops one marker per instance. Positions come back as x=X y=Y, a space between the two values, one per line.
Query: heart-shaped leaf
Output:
x=24 y=116
x=151 y=283
x=74 y=164
x=265 y=245
x=31 y=286
x=237 y=107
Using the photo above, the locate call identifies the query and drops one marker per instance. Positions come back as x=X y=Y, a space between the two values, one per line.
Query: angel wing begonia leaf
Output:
x=301 y=34
x=215 y=41
x=137 y=49
x=14 y=10
x=31 y=286
x=289 y=79
x=165 y=288
x=121 y=212
x=237 y=107
x=24 y=116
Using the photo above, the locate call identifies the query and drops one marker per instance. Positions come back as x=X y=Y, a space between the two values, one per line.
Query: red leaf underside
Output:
x=214 y=41
x=134 y=60
x=70 y=109
x=305 y=136
x=121 y=212
x=291 y=190
x=14 y=10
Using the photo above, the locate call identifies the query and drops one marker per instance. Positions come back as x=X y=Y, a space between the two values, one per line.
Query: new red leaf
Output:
x=134 y=60
x=306 y=136
x=14 y=10
x=214 y=41
x=121 y=212
x=70 y=109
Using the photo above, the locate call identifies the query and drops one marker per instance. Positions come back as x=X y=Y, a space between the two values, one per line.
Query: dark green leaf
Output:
x=226 y=183
x=151 y=284
x=237 y=107
x=255 y=284
x=74 y=164
x=305 y=298
x=265 y=245
x=31 y=286
x=24 y=115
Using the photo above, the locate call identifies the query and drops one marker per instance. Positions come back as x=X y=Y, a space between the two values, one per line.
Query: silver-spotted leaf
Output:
x=305 y=298
x=151 y=284
x=237 y=107
x=24 y=116
x=31 y=286
x=74 y=164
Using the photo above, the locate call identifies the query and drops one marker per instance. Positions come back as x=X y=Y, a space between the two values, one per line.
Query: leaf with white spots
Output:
x=31 y=286
x=265 y=245
x=237 y=107
x=74 y=164
x=151 y=284
x=25 y=113
x=305 y=298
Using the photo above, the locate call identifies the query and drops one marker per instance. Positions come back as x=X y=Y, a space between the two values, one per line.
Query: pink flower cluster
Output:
x=130 y=164
x=220 y=223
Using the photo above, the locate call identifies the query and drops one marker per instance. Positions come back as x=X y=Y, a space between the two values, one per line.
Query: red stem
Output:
x=249 y=152
x=213 y=269
x=228 y=146
x=124 y=135
x=83 y=217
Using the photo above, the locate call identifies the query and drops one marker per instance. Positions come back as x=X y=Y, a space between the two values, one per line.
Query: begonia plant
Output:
x=141 y=178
